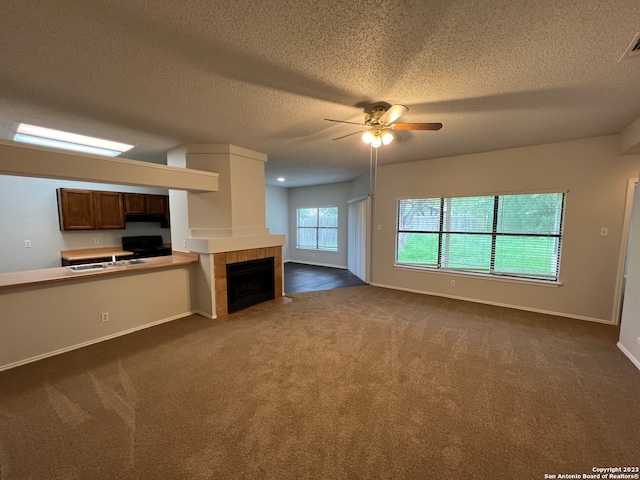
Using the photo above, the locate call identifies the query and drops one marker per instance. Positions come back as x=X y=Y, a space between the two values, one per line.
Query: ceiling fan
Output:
x=379 y=124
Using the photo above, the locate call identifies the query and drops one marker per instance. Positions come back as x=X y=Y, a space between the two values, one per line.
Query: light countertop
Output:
x=60 y=274
x=89 y=253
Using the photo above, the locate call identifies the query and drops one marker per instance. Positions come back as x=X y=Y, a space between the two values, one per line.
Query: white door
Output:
x=358 y=237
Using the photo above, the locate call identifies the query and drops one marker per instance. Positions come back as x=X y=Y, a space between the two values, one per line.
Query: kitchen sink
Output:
x=86 y=267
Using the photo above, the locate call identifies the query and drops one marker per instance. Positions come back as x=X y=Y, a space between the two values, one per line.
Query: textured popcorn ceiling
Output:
x=262 y=74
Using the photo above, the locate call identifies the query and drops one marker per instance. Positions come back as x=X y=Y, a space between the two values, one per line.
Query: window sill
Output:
x=439 y=271
x=316 y=250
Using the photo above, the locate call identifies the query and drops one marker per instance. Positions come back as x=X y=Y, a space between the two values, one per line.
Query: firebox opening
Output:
x=250 y=283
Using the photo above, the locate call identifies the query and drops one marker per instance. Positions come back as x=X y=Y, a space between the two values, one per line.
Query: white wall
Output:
x=277 y=207
x=596 y=180
x=178 y=206
x=335 y=194
x=361 y=186
x=630 y=324
x=29 y=211
x=39 y=321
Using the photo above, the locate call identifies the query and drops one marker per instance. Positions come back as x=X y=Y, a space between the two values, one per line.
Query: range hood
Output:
x=145 y=217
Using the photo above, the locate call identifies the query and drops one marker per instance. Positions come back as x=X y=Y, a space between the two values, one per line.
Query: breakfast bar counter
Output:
x=61 y=274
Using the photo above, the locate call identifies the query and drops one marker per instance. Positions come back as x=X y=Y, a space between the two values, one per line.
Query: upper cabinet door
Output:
x=109 y=210
x=135 y=203
x=157 y=204
x=76 y=209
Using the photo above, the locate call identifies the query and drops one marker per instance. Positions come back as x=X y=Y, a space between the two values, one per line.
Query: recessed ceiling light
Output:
x=281 y=179
x=48 y=137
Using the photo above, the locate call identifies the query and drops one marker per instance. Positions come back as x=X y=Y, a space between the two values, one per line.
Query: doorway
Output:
x=632 y=186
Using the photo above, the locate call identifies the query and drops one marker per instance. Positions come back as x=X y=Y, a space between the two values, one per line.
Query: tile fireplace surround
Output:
x=220 y=261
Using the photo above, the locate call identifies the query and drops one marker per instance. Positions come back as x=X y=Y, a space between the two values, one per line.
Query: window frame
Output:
x=494 y=234
x=317 y=229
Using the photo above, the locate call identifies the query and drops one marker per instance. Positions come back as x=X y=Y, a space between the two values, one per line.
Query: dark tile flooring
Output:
x=300 y=277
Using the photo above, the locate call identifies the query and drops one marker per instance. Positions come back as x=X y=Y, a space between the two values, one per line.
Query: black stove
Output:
x=144 y=246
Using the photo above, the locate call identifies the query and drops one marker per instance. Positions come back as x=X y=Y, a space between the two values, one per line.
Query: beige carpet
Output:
x=352 y=383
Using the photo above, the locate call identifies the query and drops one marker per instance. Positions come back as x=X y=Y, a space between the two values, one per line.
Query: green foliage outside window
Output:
x=508 y=235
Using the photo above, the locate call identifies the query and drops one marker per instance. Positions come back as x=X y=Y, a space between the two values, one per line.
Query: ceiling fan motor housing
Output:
x=376 y=132
x=373 y=118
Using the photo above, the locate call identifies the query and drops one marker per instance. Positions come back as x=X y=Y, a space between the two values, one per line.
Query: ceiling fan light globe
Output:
x=387 y=137
x=367 y=137
x=376 y=141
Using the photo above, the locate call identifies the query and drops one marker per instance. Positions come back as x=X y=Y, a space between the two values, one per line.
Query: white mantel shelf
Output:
x=232 y=244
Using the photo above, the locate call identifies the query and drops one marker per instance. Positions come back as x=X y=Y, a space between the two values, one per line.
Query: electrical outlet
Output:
x=104 y=316
x=96 y=240
x=27 y=244
x=638 y=340
x=453 y=283
x=604 y=231
x=184 y=243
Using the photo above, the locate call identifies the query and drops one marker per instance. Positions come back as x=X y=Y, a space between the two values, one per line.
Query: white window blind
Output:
x=508 y=235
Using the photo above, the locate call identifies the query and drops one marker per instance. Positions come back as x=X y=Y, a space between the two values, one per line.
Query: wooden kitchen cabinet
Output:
x=109 y=210
x=75 y=209
x=135 y=203
x=157 y=204
x=90 y=210
x=147 y=204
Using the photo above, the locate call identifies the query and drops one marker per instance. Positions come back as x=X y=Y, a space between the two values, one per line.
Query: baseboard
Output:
x=91 y=342
x=207 y=315
x=497 y=304
x=342 y=267
x=633 y=359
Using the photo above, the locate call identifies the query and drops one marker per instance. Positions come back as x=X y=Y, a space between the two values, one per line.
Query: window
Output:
x=318 y=228
x=505 y=235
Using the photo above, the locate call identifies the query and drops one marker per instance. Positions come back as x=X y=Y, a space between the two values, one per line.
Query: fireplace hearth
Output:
x=249 y=283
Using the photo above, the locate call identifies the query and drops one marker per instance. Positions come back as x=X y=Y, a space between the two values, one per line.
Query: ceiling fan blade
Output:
x=348 y=135
x=417 y=126
x=394 y=113
x=343 y=121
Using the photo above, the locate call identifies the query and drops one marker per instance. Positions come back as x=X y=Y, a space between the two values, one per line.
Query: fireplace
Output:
x=249 y=283
x=227 y=224
x=272 y=255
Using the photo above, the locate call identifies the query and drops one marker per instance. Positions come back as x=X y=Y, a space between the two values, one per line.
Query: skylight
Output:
x=47 y=137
